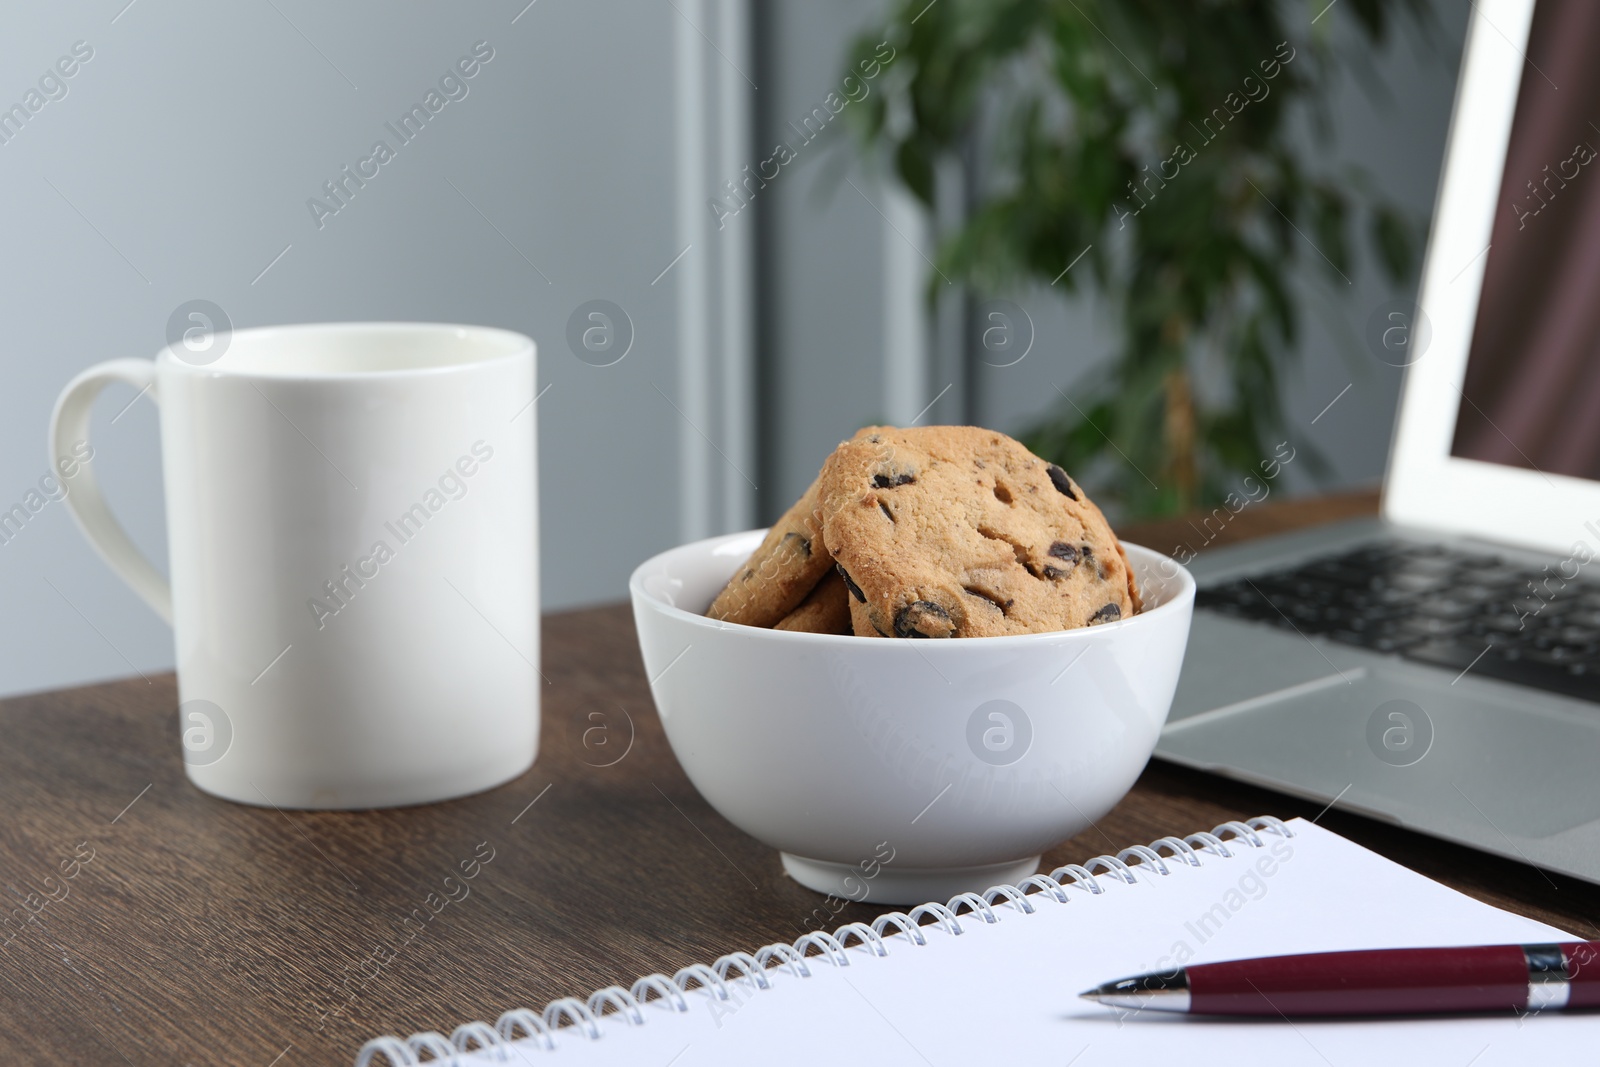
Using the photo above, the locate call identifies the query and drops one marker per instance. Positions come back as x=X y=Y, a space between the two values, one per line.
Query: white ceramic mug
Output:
x=352 y=530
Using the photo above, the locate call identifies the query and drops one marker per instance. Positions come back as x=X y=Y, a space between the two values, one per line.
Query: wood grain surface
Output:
x=151 y=923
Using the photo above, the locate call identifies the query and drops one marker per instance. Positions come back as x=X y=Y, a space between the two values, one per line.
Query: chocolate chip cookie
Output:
x=783 y=569
x=825 y=610
x=956 y=531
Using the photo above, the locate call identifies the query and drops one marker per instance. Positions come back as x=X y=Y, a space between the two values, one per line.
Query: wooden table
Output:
x=205 y=932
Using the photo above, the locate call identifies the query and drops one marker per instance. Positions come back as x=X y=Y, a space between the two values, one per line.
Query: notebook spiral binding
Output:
x=569 y=1015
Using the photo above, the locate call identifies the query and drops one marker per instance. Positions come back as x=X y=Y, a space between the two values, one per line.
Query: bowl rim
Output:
x=1181 y=602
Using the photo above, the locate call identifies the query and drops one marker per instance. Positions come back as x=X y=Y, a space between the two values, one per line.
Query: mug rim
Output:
x=517 y=345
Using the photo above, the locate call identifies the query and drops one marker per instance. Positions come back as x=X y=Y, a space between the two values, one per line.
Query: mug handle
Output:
x=69 y=425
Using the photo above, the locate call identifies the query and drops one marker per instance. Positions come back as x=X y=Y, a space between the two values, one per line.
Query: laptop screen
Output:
x=1531 y=397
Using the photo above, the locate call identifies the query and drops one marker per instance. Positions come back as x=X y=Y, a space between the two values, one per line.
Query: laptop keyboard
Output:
x=1437 y=605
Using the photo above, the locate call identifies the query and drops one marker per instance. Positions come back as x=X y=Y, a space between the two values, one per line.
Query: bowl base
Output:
x=903 y=885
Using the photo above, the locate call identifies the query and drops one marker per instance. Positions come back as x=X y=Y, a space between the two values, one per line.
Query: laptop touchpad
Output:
x=1430 y=755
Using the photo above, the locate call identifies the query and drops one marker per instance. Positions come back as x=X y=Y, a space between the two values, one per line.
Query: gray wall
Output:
x=181 y=160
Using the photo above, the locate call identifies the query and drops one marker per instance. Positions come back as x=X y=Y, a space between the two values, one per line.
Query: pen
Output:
x=1374 y=982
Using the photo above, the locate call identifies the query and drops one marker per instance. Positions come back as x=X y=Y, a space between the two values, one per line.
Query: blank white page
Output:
x=1006 y=991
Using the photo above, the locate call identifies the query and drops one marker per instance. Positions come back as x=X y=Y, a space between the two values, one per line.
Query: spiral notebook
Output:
x=993 y=978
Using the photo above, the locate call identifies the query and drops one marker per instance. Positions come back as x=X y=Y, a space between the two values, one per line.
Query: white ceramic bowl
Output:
x=902 y=771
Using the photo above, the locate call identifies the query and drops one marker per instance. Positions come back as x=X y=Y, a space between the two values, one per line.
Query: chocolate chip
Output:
x=922 y=618
x=886 y=512
x=1059 y=479
x=1109 y=613
x=1067 y=554
x=850 y=584
x=888 y=481
x=1001 y=493
x=799 y=542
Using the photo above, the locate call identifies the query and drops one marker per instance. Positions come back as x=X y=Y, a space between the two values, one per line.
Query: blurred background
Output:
x=756 y=304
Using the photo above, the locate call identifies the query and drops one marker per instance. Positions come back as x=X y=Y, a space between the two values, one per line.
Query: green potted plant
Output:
x=1156 y=140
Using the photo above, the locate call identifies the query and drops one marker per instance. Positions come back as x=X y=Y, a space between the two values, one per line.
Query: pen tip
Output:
x=1160 y=992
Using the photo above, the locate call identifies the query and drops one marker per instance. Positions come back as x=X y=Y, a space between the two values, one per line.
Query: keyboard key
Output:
x=1447 y=608
x=1533 y=606
x=1502 y=624
x=1557 y=654
x=1416 y=582
x=1423 y=626
x=1386 y=597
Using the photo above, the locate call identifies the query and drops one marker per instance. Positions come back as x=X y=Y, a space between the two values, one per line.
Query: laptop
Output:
x=1438 y=667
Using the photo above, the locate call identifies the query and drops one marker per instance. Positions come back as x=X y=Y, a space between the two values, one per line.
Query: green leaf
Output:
x=915 y=168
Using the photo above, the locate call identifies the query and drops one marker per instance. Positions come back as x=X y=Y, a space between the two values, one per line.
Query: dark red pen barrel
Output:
x=1583 y=965
x=1377 y=982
